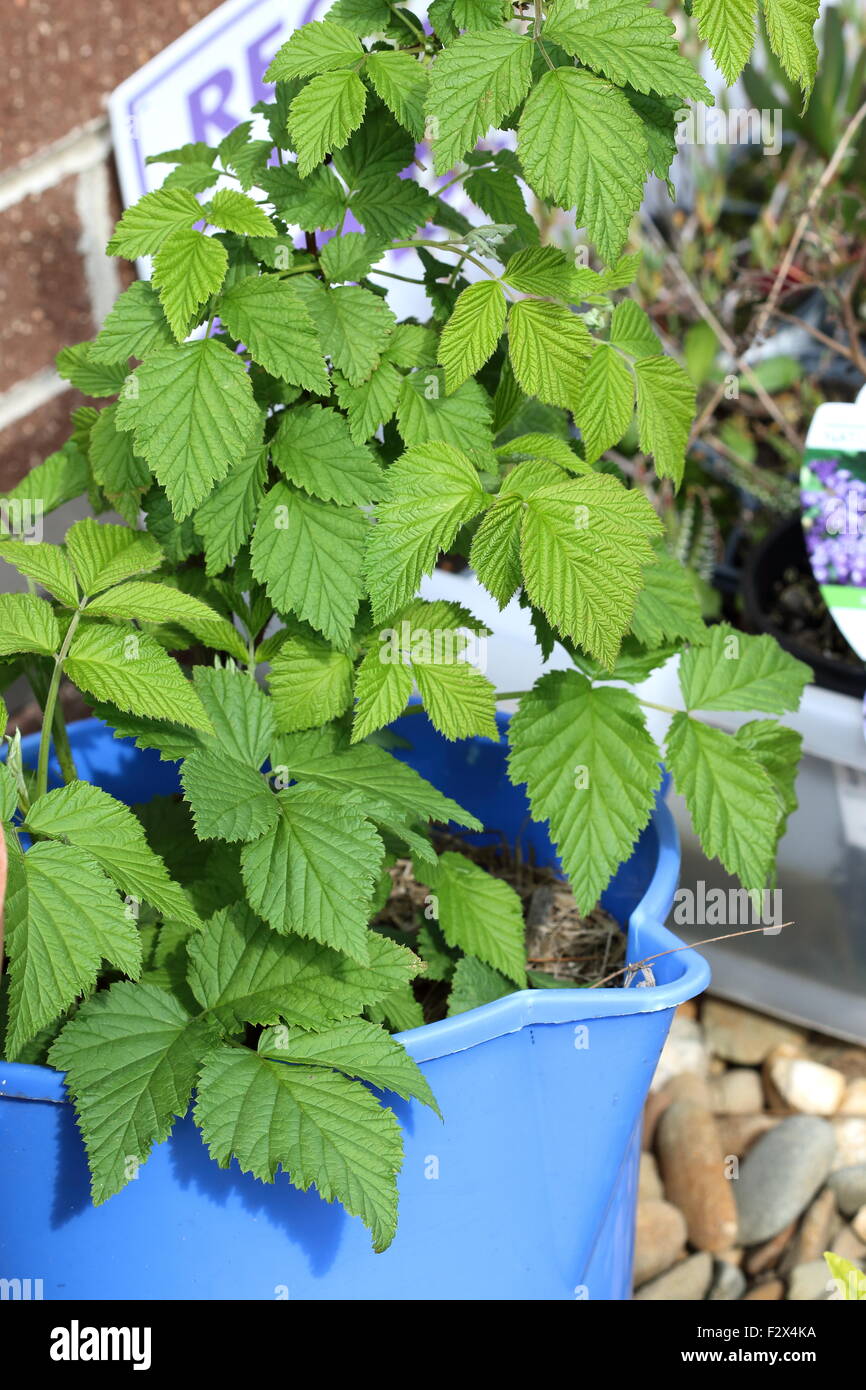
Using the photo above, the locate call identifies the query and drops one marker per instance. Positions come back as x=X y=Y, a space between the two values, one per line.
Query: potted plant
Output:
x=300 y=459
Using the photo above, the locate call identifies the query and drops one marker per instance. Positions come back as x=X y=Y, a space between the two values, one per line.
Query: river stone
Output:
x=692 y=1166
x=854 y=1100
x=741 y=1036
x=848 y=1186
x=764 y=1257
x=649 y=1186
x=816 y=1228
x=729 y=1283
x=737 y=1092
x=770 y=1291
x=810 y=1283
x=684 y=1051
x=739 y=1132
x=850 y=1132
x=660 y=1239
x=858 y=1224
x=848 y=1244
x=687 y=1282
x=806 y=1086
x=781 y=1174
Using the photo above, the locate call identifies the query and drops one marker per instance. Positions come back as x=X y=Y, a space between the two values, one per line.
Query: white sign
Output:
x=201 y=86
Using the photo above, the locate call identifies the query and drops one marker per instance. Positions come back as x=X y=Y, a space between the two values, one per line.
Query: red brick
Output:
x=44 y=300
x=34 y=437
x=62 y=58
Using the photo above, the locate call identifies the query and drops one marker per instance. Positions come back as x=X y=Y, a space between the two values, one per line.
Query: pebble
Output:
x=729 y=1283
x=771 y=1289
x=850 y=1135
x=854 y=1100
x=858 y=1224
x=691 y=1161
x=688 y=1282
x=805 y=1086
x=848 y=1244
x=739 y=1132
x=649 y=1187
x=780 y=1176
x=737 y=1092
x=850 y=1061
x=741 y=1036
x=684 y=1051
x=689 y=1086
x=848 y=1186
x=815 y=1228
x=660 y=1239
x=767 y=1256
x=809 y=1283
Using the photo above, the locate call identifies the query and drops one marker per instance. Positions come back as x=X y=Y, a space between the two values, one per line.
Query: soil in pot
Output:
x=564 y=947
x=782 y=598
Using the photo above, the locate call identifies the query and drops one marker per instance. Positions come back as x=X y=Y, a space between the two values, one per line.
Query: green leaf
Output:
x=310 y=684
x=27 y=624
x=628 y=41
x=94 y=378
x=321 y=46
x=242 y=972
x=778 y=751
x=606 y=402
x=474 y=984
x=349 y=256
x=401 y=81
x=429 y=493
x=667 y=607
x=235 y=212
x=196 y=415
x=549 y=347
x=314 y=449
x=188 y=268
x=372 y=403
x=46 y=564
x=591 y=770
x=382 y=690
x=66 y=921
x=390 y=208
x=499 y=195
x=728 y=27
x=849 y=1278
x=270 y=318
x=790 y=26
x=736 y=672
x=546 y=447
x=425 y=414
x=583 y=548
x=380 y=779
x=361 y=1050
x=134 y=326
x=583 y=146
x=240 y=712
x=541 y=270
x=324 y=114
x=131 y=1057
x=62 y=476
x=158 y=603
x=475 y=83
x=460 y=701
x=472 y=332
x=356 y=325
x=103 y=554
x=314 y=872
x=308 y=554
x=103 y=828
x=143 y=228
x=730 y=798
x=665 y=411
x=116 y=466
x=495 y=553
x=481 y=915
x=225 y=519
x=320 y=1128
x=230 y=800
x=632 y=332
x=131 y=670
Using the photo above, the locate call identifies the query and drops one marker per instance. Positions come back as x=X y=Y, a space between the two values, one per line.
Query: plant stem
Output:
x=443 y=246
x=664 y=709
x=51 y=706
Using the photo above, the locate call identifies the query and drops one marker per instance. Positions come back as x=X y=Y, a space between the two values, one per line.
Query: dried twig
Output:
x=692 y=946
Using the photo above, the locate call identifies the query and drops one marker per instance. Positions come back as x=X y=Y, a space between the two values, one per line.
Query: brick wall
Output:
x=58 y=195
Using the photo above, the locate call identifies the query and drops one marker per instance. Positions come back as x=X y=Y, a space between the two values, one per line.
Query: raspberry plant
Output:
x=289 y=461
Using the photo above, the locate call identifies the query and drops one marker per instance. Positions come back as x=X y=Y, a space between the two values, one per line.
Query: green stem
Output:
x=443 y=246
x=51 y=706
x=663 y=709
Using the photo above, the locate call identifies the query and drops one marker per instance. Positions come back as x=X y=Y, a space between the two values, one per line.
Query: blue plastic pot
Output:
x=527 y=1191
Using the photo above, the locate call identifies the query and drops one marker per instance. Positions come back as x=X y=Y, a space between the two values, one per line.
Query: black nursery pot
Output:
x=784 y=550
